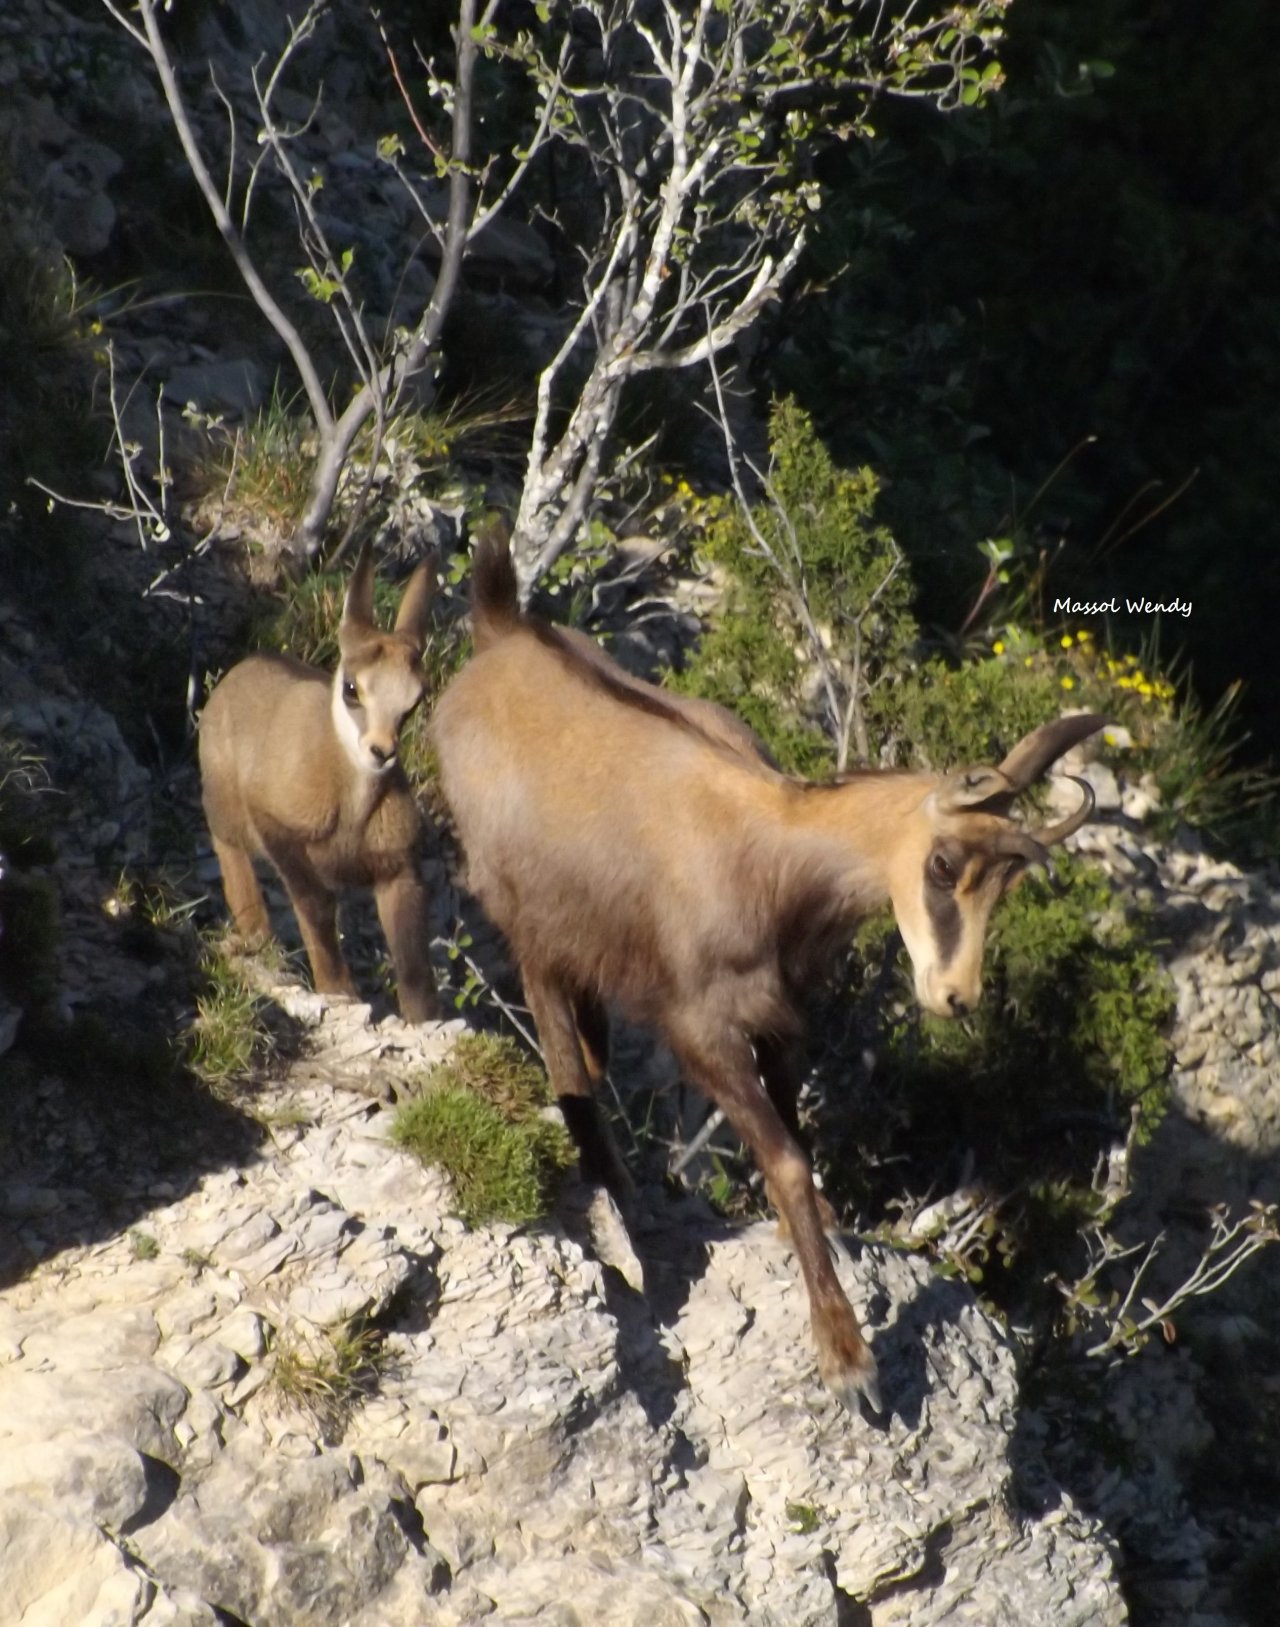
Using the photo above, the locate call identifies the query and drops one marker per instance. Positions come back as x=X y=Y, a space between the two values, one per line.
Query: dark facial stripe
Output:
x=944 y=916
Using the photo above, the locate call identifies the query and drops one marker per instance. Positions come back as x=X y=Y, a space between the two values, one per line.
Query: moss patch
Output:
x=479 y=1119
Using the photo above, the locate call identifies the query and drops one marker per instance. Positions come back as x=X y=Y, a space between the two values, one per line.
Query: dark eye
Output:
x=350 y=694
x=941 y=871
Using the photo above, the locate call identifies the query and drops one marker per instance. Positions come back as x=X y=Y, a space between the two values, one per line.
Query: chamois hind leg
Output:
x=243 y=895
x=402 y=910
x=782 y=1073
x=565 y=1049
x=316 y=909
x=720 y=1061
x=593 y=1035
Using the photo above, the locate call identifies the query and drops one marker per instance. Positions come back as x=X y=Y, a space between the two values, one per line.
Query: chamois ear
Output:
x=415 y=605
x=357 y=607
x=1031 y=756
x=973 y=788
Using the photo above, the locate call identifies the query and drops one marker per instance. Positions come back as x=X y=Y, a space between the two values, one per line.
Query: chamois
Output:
x=301 y=768
x=636 y=848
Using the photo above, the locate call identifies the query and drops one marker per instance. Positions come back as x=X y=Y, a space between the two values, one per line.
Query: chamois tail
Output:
x=495 y=608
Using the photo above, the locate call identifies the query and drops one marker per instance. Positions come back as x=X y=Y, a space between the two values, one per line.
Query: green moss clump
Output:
x=479 y=1119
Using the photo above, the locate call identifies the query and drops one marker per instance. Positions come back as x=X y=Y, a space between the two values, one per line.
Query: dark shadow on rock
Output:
x=160 y=1487
x=100 y=1128
x=901 y=1347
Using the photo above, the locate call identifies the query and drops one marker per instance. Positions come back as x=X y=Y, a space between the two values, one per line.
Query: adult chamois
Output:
x=301 y=767
x=637 y=849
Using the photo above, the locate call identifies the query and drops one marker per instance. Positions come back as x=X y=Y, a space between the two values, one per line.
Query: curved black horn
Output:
x=1022 y=844
x=1031 y=756
x=1052 y=834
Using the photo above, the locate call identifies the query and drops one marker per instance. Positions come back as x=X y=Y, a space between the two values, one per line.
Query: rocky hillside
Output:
x=553 y=1429
x=253 y=1368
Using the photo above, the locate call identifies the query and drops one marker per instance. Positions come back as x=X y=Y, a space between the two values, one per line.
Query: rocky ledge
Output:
x=544 y=1443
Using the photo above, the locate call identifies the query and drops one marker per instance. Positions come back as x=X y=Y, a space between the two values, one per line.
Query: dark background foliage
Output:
x=1093 y=254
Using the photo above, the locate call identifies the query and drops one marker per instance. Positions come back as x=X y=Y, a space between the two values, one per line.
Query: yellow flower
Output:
x=1068 y=683
x=1028 y=660
x=1084 y=635
x=1145 y=688
x=998 y=647
x=1065 y=641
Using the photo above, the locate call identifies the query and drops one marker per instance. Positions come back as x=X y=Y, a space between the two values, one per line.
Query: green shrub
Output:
x=479 y=1119
x=815 y=540
x=1069 y=1040
x=944 y=716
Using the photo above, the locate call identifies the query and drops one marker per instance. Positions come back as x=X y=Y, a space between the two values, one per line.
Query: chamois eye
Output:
x=941 y=871
x=350 y=694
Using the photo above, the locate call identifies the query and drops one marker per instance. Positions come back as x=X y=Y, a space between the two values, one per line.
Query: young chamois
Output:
x=637 y=848
x=301 y=768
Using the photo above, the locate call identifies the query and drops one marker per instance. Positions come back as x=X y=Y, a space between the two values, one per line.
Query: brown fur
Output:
x=640 y=850
x=329 y=809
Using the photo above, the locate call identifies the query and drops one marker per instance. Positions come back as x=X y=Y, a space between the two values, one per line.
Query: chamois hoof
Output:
x=863 y=1384
x=847 y=1366
x=420 y=1010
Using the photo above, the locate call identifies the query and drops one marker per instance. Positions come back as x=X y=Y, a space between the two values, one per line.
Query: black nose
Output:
x=381 y=755
x=958 y=1007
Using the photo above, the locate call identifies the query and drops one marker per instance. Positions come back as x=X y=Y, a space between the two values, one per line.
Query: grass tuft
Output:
x=229 y=1040
x=328 y=1373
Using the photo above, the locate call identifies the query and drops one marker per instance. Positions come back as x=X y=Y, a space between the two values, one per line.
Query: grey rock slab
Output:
x=92 y=1476
x=138 y=1403
x=316 y=1539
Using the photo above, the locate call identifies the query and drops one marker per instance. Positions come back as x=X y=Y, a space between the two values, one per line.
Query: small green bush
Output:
x=757 y=657
x=946 y=717
x=479 y=1120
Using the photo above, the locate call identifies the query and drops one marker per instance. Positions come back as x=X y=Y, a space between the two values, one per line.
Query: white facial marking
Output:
x=347 y=729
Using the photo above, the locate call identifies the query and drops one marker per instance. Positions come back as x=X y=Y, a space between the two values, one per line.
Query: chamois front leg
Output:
x=720 y=1062
x=243 y=895
x=565 y=1048
x=316 y=909
x=402 y=910
x=782 y=1074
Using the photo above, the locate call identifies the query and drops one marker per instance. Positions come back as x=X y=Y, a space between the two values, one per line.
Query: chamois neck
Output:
x=856 y=823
